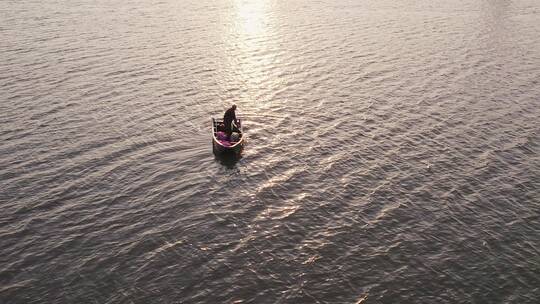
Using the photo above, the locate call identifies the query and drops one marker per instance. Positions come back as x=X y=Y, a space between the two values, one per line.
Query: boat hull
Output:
x=219 y=149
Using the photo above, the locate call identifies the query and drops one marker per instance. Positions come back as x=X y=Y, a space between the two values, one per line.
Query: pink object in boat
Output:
x=221 y=135
x=225 y=143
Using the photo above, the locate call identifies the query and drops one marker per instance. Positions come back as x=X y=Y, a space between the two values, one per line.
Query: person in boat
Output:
x=228 y=119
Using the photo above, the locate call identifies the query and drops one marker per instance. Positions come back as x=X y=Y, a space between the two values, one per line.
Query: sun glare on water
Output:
x=255 y=40
x=252 y=16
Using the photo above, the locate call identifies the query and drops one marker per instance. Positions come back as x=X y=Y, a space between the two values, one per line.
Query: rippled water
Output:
x=392 y=157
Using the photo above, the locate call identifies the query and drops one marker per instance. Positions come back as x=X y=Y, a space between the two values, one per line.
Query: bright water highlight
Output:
x=392 y=157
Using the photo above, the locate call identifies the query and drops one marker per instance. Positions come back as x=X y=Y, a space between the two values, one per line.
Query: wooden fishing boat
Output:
x=221 y=146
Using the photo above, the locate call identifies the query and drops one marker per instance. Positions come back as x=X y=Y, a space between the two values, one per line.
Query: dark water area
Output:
x=392 y=155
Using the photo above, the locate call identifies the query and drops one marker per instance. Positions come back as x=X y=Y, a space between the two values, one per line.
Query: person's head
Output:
x=233 y=107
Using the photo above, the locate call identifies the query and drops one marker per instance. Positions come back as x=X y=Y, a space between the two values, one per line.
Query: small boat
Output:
x=223 y=146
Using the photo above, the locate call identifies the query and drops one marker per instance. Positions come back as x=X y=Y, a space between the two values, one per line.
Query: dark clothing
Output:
x=228 y=118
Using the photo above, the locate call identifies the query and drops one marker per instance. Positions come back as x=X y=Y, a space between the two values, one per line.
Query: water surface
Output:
x=393 y=151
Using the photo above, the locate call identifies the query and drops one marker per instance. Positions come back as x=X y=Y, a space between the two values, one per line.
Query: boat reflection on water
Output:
x=229 y=160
